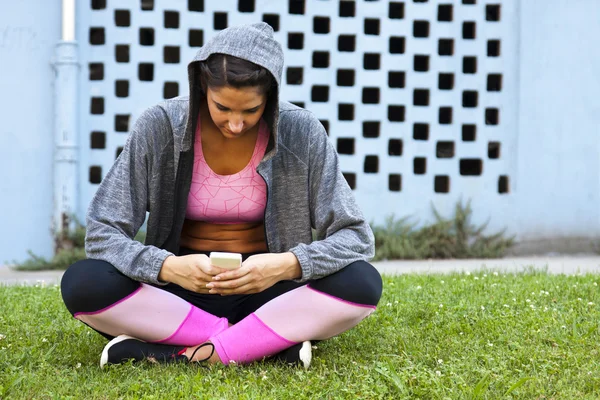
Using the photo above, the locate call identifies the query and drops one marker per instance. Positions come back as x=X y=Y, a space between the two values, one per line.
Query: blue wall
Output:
x=29 y=30
x=546 y=144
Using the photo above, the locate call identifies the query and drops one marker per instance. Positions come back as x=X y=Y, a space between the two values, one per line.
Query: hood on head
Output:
x=254 y=43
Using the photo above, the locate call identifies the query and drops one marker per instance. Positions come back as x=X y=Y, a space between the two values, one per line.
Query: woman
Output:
x=231 y=168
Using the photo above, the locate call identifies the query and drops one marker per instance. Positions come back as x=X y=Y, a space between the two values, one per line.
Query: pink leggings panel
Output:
x=298 y=315
x=155 y=315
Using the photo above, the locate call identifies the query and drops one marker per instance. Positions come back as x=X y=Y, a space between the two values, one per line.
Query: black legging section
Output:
x=92 y=285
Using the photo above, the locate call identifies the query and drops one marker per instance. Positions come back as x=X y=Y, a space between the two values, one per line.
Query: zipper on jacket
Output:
x=265 y=213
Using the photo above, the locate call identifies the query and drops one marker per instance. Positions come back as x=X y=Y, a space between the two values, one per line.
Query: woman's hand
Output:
x=192 y=272
x=256 y=274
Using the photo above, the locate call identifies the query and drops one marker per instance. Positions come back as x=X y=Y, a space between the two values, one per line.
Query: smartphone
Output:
x=226 y=260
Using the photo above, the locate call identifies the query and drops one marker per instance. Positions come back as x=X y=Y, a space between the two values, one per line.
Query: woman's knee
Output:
x=358 y=282
x=91 y=285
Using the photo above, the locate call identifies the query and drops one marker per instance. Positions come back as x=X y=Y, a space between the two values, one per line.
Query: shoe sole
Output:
x=104 y=356
x=305 y=354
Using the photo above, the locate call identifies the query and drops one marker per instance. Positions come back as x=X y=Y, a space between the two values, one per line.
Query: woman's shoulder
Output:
x=296 y=123
x=163 y=120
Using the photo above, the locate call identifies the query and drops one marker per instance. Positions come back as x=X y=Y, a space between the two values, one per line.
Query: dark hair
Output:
x=221 y=70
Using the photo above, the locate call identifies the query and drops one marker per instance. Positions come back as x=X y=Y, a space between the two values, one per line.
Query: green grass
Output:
x=455 y=336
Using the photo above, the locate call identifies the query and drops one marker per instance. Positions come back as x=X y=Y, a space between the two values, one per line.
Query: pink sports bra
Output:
x=228 y=199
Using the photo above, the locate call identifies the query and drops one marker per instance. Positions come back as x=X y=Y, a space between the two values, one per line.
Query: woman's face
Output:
x=235 y=111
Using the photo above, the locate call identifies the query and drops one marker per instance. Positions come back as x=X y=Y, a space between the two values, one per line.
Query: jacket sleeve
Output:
x=343 y=235
x=118 y=208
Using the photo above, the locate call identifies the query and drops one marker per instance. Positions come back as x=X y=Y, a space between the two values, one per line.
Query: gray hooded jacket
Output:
x=305 y=187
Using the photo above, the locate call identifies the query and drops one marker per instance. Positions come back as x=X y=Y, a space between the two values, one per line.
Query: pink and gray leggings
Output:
x=263 y=324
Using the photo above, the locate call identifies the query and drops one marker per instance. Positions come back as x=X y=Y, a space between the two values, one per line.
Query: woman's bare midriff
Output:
x=235 y=238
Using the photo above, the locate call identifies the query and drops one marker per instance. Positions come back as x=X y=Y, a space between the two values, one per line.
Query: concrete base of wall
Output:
x=556 y=245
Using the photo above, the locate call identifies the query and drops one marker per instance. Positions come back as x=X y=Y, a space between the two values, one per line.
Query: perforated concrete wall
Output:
x=418 y=97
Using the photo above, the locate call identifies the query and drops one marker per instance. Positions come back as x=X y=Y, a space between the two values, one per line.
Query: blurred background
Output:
x=428 y=103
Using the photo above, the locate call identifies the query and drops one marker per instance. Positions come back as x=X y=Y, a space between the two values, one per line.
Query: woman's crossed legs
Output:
x=263 y=324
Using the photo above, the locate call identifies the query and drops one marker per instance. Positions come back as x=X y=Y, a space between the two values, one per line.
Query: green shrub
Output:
x=445 y=238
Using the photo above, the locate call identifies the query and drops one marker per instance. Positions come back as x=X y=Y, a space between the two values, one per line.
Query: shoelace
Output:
x=201 y=346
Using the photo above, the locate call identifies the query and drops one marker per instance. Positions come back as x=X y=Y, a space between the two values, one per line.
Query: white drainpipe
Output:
x=66 y=148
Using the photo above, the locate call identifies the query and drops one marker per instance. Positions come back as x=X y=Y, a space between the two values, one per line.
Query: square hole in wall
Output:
x=171 y=19
x=298 y=103
x=97 y=106
x=492 y=116
x=372 y=61
x=320 y=93
x=345 y=145
x=421 y=63
x=441 y=184
x=494 y=82
x=146 y=72
x=345 y=77
x=493 y=48
x=219 y=21
x=396 y=113
x=321 y=25
x=444 y=12
x=444 y=149
x=97 y=36
x=294 y=75
x=395 y=147
x=246 y=6
x=469 y=99
x=469 y=65
x=397 y=45
x=421 y=97
x=98 y=140
x=371 y=26
x=370 y=129
x=503 y=185
x=95 y=174
x=325 y=124
x=370 y=95
x=396 y=79
x=147 y=5
x=347 y=43
x=146 y=36
x=494 y=150
x=170 y=90
x=196 y=38
x=118 y=152
x=98 y=4
x=122 y=122
x=446 y=81
x=350 y=179
x=196 y=5
x=446 y=47
x=492 y=12
x=445 y=115
x=320 y=59
x=122 y=53
x=396 y=10
x=420 y=131
x=96 y=71
x=469 y=1
x=347 y=9
x=471 y=166
x=122 y=88
x=420 y=165
x=468 y=30
x=395 y=182
x=420 y=29
x=371 y=165
x=345 y=112
x=273 y=20
x=469 y=132
x=171 y=54
x=296 y=6
x=122 y=18
x=295 y=40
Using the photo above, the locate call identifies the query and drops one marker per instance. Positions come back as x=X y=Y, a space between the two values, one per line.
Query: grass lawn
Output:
x=483 y=335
